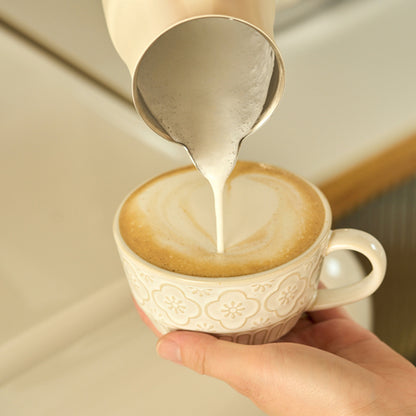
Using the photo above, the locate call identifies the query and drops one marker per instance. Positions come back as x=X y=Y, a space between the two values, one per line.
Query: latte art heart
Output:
x=270 y=217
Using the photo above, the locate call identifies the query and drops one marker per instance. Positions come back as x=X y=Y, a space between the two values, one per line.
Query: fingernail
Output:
x=169 y=350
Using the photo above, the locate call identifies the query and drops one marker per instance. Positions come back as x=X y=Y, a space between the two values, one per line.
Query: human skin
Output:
x=327 y=365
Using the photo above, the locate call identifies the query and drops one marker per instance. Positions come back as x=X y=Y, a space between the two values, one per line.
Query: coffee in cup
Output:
x=271 y=217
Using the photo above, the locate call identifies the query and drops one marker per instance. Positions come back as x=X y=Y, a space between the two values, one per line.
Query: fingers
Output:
x=327 y=314
x=245 y=368
x=283 y=378
x=202 y=353
x=316 y=328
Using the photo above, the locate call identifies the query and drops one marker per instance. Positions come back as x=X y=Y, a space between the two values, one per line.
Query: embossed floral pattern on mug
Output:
x=232 y=309
x=137 y=286
x=284 y=299
x=262 y=287
x=179 y=309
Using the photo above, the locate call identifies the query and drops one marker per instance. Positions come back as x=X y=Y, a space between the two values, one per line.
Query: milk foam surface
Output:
x=206 y=82
x=271 y=217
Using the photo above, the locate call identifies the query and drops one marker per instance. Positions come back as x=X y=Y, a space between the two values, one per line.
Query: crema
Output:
x=270 y=217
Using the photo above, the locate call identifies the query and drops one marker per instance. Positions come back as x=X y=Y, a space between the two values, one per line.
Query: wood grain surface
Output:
x=363 y=182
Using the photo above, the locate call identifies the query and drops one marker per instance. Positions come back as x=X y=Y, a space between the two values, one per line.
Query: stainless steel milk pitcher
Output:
x=136 y=25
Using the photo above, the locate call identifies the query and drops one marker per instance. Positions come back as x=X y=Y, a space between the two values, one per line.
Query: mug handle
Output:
x=365 y=244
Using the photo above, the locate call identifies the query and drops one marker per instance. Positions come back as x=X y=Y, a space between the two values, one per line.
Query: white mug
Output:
x=251 y=309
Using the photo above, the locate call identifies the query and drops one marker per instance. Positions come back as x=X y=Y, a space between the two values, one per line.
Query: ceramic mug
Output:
x=251 y=309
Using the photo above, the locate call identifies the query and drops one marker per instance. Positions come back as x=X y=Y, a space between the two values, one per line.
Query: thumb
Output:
x=280 y=378
x=246 y=368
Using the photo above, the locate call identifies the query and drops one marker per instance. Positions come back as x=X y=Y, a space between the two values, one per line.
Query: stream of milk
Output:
x=206 y=82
